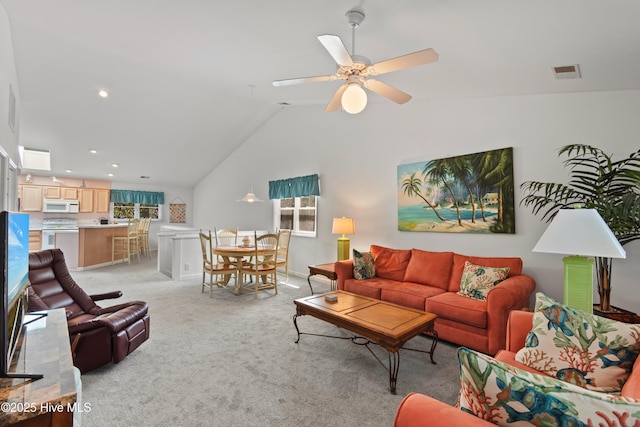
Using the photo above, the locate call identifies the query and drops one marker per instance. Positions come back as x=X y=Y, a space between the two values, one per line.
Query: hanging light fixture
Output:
x=354 y=98
x=250 y=197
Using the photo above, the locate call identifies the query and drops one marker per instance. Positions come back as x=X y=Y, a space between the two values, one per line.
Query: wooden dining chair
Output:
x=226 y=237
x=143 y=236
x=127 y=245
x=213 y=268
x=282 y=260
x=262 y=266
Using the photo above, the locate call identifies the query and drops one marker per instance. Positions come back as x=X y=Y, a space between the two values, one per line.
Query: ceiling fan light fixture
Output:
x=354 y=98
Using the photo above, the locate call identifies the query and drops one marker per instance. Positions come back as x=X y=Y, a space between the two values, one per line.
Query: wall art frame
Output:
x=472 y=193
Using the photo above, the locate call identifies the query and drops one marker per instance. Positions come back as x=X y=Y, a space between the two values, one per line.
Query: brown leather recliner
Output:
x=98 y=336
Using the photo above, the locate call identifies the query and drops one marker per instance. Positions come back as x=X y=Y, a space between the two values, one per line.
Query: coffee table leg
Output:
x=295 y=323
x=394 y=366
x=309 y=281
x=434 y=343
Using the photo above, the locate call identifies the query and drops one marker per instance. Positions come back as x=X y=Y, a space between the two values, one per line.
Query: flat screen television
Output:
x=14 y=243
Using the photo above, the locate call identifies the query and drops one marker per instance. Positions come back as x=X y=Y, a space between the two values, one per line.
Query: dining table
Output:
x=236 y=254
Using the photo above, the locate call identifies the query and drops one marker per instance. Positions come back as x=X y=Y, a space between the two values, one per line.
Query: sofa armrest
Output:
x=513 y=293
x=417 y=410
x=518 y=327
x=344 y=271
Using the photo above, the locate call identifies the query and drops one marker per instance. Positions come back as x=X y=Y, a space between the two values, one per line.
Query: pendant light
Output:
x=250 y=197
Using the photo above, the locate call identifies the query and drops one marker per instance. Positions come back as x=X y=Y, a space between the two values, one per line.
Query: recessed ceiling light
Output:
x=109 y=174
x=68 y=170
x=102 y=93
x=115 y=165
x=93 y=151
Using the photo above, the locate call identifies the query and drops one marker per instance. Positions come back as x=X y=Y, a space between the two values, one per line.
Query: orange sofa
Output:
x=419 y=410
x=430 y=281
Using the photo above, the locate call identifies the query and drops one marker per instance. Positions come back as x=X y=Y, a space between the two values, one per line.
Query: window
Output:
x=297 y=214
x=120 y=210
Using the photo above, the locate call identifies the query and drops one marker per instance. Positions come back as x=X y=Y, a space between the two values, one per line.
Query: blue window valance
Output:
x=301 y=186
x=142 y=197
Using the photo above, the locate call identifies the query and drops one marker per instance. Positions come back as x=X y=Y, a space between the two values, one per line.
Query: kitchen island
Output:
x=95 y=244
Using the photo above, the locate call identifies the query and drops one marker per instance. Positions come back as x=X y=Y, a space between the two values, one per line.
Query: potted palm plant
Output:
x=612 y=187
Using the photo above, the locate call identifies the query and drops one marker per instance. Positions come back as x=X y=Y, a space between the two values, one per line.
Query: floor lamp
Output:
x=580 y=233
x=343 y=226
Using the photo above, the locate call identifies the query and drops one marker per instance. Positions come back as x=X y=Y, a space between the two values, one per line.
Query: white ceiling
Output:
x=191 y=79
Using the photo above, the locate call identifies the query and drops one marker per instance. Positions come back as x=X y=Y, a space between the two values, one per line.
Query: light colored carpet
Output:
x=232 y=361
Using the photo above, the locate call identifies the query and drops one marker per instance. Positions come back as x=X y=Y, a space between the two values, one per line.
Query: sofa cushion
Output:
x=478 y=280
x=363 y=265
x=506 y=395
x=468 y=311
x=409 y=294
x=579 y=347
x=514 y=264
x=429 y=268
x=390 y=263
x=369 y=288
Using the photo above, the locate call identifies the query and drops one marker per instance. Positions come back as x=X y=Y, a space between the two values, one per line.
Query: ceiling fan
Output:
x=356 y=71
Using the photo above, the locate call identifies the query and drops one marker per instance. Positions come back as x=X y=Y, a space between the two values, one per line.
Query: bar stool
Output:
x=143 y=235
x=127 y=245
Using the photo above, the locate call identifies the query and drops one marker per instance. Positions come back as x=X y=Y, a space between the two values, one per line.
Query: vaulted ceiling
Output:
x=189 y=80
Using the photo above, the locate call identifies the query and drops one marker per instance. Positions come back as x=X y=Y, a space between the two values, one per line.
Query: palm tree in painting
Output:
x=496 y=168
x=441 y=170
x=460 y=168
x=482 y=184
x=411 y=187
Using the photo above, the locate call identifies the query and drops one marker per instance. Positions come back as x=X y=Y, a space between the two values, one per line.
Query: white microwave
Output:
x=60 y=206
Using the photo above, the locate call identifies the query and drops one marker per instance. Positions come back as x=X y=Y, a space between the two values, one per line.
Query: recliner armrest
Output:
x=120 y=316
x=108 y=295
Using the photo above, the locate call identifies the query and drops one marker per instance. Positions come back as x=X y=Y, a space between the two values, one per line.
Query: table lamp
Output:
x=343 y=226
x=580 y=233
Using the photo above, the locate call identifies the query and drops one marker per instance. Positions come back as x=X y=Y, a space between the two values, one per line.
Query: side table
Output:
x=327 y=270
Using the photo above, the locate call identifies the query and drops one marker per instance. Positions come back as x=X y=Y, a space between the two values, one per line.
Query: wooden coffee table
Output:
x=374 y=321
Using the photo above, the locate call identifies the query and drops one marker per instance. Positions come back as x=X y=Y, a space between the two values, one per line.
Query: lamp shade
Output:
x=250 y=197
x=343 y=226
x=354 y=99
x=580 y=232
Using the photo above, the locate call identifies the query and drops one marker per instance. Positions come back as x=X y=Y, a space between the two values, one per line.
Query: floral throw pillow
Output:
x=363 y=265
x=580 y=348
x=508 y=396
x=477 y=280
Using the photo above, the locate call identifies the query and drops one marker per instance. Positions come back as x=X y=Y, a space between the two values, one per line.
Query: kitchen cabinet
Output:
x=52 y=192
x=102 y=198
x=69 y=193
x=85 y=199
x=35 y=240
x=30 y=198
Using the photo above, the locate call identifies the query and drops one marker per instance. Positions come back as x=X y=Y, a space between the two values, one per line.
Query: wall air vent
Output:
x=567 y=72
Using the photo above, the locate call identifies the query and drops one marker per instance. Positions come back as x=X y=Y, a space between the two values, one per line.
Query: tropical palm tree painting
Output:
x=473 y=193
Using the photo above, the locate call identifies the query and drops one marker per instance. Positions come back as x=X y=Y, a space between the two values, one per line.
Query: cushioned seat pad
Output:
x=459 y=308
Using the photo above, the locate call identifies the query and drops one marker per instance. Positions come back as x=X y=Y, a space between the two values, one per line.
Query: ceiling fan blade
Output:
x=290 y=82
x=387 y=91
x=414 y=59
x=336 y=49
x=336 y=101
